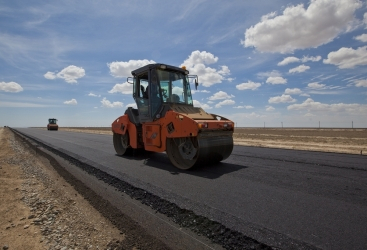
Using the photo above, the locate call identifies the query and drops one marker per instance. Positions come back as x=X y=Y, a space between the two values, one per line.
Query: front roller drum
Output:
x=188 y=152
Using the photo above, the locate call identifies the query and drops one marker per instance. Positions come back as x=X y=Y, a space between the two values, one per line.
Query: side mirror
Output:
x=196 y=84
x=130 y=80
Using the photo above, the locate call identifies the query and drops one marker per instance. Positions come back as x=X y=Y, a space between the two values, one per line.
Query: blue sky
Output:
x=297 y=63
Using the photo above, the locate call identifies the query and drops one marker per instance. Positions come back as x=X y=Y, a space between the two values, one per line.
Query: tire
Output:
x=122 y=144
x=176 y=155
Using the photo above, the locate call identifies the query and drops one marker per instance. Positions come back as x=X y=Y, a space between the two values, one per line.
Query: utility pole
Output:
x=264 y=124
x=319 y=124
x=352 y=124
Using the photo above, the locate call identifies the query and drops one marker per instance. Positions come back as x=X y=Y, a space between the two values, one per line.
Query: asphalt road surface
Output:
x=282 y=198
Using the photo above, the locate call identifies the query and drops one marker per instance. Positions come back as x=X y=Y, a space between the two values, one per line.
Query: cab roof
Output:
x=155 y=66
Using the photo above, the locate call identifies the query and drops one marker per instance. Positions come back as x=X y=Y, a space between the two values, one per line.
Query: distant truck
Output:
x=52 y=124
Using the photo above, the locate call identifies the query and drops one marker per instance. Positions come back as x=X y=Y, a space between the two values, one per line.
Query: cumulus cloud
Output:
x=70 y=74
x=295 y=91
x=124 y=88
x=362 y=38
x=50 y=75
x=123 y=69
x=248 y=85
x=281 y=99
x=107 y=104
x=201 y=105
x=299 y=69
x=225 y=102
x=269 y=108
x=316 y=85
x=301 y=28
x=220 y=95
x=311 y=58
x=71 y=102
x=196 y=64
x=276 y=80
x=361 y=83
x=346 y=58
x=312 y=106
x=12 y=87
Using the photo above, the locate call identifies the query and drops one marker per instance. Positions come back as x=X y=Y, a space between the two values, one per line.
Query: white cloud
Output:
x=107 y=104
x=361 y=83
x=248 y=85
x=304 y=59
x=299 y=69
x=311 y=58
x=273 y=73
x=50 y=75
x=94 y=95
x=312 y=106
x=70 y=74
x=71 y=102
x=225 y=102
x=301 y=28
x=269 y=108
x=124 y=88
x=362 y=38
x=220 y=95
x=276 y=80
x=288 y=60
x=123 y=69
x=201 y=105
x=196 y=64
x=10 y=87
x=346 y=58
x=244 y=107
x=316 y=85
x=193 y=91
x=281 y=99
x=295 y=91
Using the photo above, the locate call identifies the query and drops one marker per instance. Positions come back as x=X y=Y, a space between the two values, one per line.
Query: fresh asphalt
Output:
x=278 y=197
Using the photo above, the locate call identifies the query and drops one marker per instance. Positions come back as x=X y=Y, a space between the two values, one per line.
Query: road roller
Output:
x=52 y=124
x=166 y=120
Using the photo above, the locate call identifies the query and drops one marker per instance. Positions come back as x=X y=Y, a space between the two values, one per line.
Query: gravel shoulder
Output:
x=40 y=210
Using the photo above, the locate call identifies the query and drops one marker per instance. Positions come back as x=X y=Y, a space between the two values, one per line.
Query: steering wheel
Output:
x=164 y=92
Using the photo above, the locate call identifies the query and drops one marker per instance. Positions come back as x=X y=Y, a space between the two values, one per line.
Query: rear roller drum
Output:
x=121 y=144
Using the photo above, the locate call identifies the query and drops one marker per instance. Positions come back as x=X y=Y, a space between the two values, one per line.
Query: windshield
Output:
x=52 y=121
x=175 y=87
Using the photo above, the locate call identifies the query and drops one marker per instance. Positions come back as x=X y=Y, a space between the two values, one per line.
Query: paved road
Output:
x=274 y=196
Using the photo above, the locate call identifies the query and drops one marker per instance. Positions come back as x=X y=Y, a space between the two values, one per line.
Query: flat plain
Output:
x=337 y=140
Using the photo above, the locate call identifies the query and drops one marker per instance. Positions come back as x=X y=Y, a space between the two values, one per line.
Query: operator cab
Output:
x=157 y=87
x=52 y=121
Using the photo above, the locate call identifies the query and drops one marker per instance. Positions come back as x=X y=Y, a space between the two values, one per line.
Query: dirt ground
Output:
x=350 y=141
x=35 y=213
